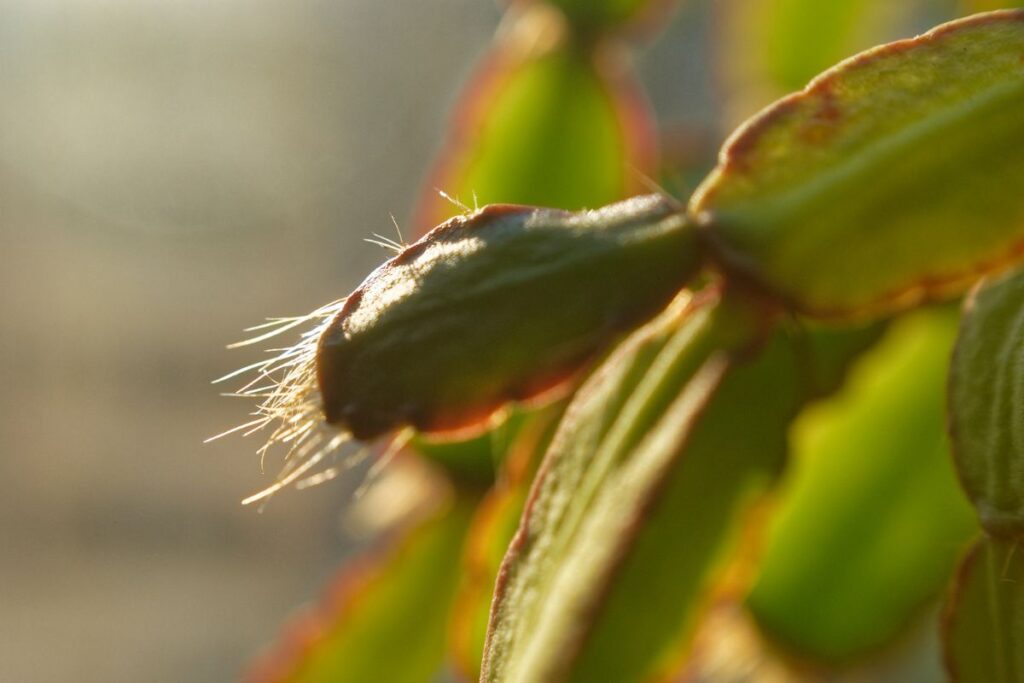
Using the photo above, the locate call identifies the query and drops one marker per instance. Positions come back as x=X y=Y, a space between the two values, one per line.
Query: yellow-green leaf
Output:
x=871 y=519
x=984 y=620
x=546 y=122
x=987 y=404
x=897 y=176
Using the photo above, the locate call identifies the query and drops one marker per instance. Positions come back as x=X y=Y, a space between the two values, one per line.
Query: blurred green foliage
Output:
x=387 y=616
x=871 y=519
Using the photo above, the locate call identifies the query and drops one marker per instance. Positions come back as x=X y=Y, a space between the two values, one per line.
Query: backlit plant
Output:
x=722 y=420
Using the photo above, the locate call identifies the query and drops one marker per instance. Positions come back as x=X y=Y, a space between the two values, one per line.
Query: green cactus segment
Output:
x=691 y=529
x=987 y=404
x=597 y=517
x=871 y=518
x=553 y=121
x=386 y=618
x=565 y=128
x=548 y=579
x=983 y=627
x=896 y=177
x=497 y=306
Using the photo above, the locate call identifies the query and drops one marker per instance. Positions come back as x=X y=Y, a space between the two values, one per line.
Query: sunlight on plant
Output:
x=668 y=418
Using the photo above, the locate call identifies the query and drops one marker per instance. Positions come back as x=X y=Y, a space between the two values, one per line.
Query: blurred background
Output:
x=170 y=173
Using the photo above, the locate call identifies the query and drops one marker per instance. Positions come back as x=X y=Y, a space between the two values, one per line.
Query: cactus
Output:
x=689 y=338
